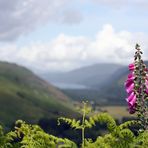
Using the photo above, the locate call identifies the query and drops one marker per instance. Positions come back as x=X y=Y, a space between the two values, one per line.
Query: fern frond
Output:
x=104 y=118
x=128 y=124
x=72 y=122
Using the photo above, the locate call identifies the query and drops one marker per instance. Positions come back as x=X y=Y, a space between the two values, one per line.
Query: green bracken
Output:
x=32 y=136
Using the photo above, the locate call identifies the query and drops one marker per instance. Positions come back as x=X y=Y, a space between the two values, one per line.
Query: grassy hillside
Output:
x=25 y=96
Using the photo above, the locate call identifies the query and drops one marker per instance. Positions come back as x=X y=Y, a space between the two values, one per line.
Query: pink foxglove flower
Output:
x=129 y=85
x=132 y=99
x=131 y=109
x=137 y=89
x=131 y=103
x=131 y=67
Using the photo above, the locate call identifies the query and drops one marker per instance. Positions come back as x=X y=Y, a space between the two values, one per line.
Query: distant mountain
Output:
x=87 y=76
x=23 y=95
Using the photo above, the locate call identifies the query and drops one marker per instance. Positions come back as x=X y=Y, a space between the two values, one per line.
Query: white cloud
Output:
x=68 y=52
x=18 y=17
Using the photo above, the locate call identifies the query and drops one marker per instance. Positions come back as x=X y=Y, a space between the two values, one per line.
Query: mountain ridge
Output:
x=85 y=76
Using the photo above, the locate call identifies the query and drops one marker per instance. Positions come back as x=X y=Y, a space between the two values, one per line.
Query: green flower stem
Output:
x=140 y=90
x=83 y=125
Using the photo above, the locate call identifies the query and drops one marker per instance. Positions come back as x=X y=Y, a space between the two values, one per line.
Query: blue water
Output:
x=69 y=86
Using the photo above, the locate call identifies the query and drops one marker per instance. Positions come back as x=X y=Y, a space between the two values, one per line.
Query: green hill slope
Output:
x=25 y=96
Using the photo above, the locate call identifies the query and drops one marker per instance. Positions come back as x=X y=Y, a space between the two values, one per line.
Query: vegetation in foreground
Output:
x=118 y=136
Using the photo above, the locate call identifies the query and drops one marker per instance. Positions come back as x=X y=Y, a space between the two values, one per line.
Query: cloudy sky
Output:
x=60 y=35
